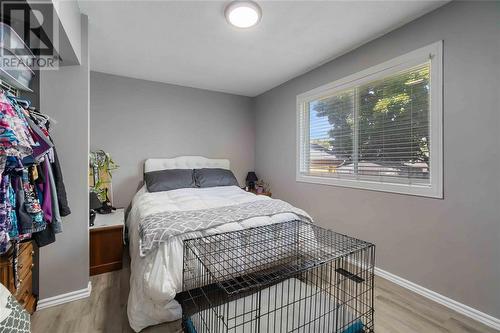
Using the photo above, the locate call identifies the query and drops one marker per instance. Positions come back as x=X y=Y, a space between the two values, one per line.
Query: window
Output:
x=380 y=129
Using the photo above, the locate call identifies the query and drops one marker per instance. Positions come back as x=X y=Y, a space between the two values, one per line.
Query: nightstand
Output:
x=106 y=242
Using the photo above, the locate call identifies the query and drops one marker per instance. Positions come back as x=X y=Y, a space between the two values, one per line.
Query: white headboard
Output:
x=184 y=162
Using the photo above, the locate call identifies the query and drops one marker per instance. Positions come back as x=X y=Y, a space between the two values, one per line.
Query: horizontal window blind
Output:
x=377 y=130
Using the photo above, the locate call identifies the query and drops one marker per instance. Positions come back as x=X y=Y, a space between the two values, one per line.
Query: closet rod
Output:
x=10 y=88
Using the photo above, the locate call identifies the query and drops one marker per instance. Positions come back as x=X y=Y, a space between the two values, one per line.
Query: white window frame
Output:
x=432 y=53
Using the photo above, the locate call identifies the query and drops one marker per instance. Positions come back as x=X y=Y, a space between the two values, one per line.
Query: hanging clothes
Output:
x=56 y=216
x=61 y=188
x=43 y=143
x=32 y=192
x=14 y=133
x=5 y=208
x=45 y=191
x=13 y=230
x=32 y=206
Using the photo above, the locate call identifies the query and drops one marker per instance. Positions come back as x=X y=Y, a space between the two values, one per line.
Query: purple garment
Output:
x=42 y=147
x=46 y=192
x=43 y=144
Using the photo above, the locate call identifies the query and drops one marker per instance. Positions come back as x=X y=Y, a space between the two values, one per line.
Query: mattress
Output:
x=157 y=278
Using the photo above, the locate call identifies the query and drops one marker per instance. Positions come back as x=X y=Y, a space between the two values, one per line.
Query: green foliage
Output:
x=392 y=119
x=103 y=161
x=338 y=109
x=100 y=161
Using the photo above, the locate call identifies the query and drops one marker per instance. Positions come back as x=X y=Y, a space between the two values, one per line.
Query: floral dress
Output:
x=15 y=138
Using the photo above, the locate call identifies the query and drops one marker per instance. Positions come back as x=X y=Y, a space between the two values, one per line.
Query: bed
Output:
x=156 y=274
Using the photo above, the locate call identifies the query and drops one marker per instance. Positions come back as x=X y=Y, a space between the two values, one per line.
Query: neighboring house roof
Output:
x=320 y=153
x=387 y=170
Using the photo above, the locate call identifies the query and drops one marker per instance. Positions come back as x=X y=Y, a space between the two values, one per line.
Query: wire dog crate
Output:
x=286 y=277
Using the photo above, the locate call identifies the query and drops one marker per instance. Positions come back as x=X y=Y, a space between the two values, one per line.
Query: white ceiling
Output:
x=189 y=43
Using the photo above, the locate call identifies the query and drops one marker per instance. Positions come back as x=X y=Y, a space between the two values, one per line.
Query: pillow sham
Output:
x=167 y=180
x=214 y=177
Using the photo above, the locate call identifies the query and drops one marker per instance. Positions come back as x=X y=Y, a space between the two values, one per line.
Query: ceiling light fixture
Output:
x=243 y=14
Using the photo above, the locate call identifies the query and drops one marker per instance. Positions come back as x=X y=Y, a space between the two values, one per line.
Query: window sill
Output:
x=408 y=189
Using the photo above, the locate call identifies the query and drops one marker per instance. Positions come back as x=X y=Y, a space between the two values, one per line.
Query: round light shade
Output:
x=243 y=14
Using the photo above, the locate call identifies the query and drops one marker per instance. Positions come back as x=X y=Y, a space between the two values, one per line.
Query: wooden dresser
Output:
x=24 y=292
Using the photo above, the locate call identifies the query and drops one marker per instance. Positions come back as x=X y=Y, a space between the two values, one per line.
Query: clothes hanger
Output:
x=25 y=103
x=39 y=115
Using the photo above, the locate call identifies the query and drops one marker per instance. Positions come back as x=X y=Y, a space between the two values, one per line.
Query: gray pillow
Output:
x=167 y=180
x=214 y=177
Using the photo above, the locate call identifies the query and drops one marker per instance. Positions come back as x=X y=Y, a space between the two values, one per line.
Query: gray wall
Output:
x=450 y=246
x=135 y=119
x=64 y=95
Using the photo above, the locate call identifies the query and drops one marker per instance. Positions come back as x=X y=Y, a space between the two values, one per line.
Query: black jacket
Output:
x=61 y=189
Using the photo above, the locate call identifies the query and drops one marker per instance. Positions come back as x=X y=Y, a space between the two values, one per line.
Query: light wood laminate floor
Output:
x=397 y=310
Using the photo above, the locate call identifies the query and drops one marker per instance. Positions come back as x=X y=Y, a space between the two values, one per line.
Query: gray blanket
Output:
x=160 y=227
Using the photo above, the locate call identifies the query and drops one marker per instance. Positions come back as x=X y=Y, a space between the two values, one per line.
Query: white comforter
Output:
x=157 y=278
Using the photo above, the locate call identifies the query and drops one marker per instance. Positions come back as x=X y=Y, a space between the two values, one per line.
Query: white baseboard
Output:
x=64 y=298
x=443 y=300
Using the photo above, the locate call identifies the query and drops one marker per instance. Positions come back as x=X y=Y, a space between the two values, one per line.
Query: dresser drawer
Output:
x=27 y=246
x=7 y=273
x=25 y=261
x=24 y=292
